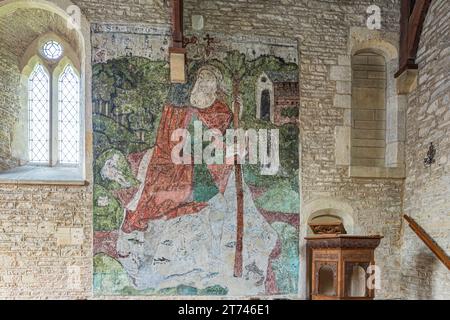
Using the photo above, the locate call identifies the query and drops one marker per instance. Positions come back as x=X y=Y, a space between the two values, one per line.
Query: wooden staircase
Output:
x=434 y=247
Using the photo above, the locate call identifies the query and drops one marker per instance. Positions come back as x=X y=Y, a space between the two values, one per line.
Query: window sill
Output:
x=377 y=172
x=35 y=175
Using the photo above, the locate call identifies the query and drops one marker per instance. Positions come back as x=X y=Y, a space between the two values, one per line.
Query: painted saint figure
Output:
x=167 y=237
x=167 y=191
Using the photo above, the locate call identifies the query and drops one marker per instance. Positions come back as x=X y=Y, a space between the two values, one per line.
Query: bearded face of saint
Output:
x=204 y=92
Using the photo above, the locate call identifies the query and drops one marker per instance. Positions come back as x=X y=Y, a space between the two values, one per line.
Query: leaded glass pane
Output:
x=69 y=117
x=52 y=50
x=39 y=115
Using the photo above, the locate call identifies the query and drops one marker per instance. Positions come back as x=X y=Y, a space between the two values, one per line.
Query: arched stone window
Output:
x=29 y=83
x=45 y=98
x=53 y=99
x=370 y=141
x=368 y=109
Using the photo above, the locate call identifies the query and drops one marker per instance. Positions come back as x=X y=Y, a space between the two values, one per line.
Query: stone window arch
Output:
x=52 y=105
x=368 y=139
x=370 y=142
x=21 y=51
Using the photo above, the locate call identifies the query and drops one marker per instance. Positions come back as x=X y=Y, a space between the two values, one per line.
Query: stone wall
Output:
x=45 y=242
x=31 y=216
x=45 y=230
x=427 y=189
x=130 y=11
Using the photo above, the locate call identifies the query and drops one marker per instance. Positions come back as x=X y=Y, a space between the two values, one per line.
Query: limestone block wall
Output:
x=45 y=242
x=427 y=189
x=45 y=230
x=33 y=218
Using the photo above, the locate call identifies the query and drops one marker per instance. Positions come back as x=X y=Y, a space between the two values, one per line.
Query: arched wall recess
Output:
x=328 y=207
x=76 y=53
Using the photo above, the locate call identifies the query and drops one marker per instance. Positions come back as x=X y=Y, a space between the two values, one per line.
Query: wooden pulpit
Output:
x=339 y=266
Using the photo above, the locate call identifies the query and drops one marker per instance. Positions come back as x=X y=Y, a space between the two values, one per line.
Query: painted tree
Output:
x=236 y=68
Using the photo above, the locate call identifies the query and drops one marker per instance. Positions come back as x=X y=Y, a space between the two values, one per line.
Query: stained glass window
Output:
x=52 y=50
x=68 y=116
x=39 y=115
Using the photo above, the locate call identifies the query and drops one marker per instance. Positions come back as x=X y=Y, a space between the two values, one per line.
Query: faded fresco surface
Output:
x=172 y=229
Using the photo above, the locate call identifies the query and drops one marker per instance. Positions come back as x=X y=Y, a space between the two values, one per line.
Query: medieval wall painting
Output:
x=193 y=228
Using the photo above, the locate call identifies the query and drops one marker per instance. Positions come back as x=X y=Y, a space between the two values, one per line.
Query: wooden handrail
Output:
x=434 y=247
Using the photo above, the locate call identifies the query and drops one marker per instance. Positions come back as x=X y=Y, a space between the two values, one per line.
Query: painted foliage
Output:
x=163 y=228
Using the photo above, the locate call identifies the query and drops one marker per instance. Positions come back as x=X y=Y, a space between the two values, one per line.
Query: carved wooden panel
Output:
x=318 y=266
x=342 y=253
x=348 y=276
